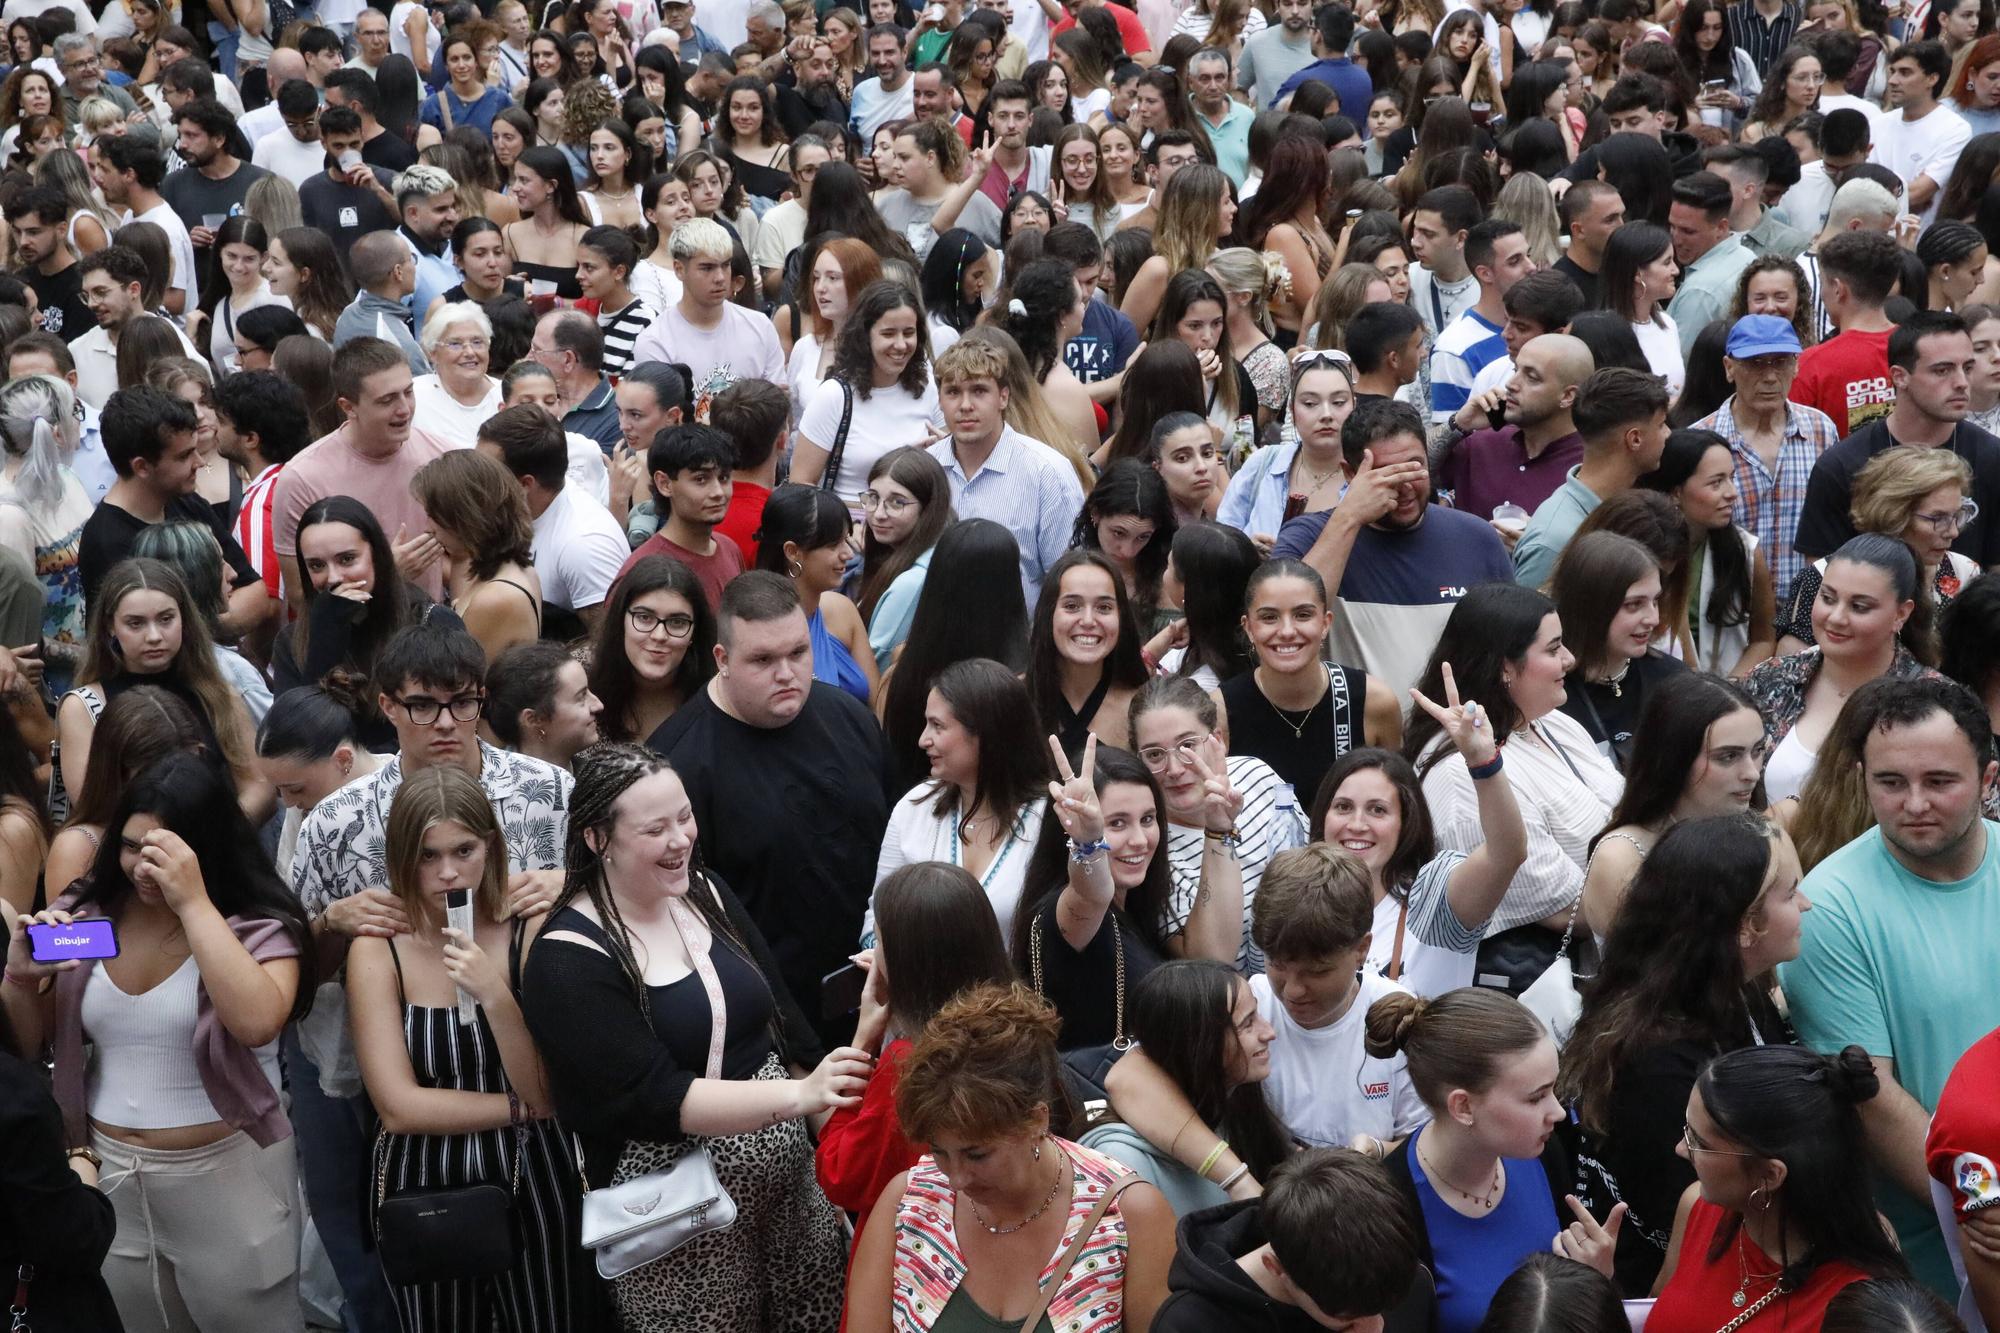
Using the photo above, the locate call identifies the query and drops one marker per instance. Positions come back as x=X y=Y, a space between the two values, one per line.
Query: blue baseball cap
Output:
x=1762 y=335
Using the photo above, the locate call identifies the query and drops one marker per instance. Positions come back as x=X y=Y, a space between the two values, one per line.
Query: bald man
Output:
x=385 y=271
x=1523 y=461
x=284 y=65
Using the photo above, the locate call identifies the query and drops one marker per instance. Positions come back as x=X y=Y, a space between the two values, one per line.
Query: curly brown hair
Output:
x=982 y=1068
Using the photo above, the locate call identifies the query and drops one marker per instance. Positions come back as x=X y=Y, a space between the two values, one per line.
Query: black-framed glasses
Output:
x=424 y=710
x=644 y=620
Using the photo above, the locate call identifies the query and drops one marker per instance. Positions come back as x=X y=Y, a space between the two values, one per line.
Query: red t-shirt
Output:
x=1130 y=30
x=1964 y=1142
x=1847 y=377
x=745 y=516
x=1698 y=1295
x=713 y=570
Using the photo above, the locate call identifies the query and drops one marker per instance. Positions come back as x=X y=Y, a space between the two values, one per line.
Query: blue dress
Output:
x=832 y=662
x=1475 y=1255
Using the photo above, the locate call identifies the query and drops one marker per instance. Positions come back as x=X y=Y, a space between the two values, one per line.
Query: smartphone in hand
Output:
x=88 y=937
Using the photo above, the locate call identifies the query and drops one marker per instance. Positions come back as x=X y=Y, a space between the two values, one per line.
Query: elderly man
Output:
x=83 y=76
x=384 y=271
x=371 y=41
x=285 y=66
x=571 y=345
x=1226 y=119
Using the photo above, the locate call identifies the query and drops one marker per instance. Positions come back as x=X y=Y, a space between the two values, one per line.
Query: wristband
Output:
x=1486 y=770
x=1231 y=840
x=1228 y=1182
x=514 y=1116
x=1214 y=1156
x=1080 y=852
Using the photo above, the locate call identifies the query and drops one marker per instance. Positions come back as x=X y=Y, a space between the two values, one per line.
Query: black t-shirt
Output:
x=390 y=151
x=59 y=302
x=1824 y=523
x=797 y=110
x=792 y=817
x=110 y=531
x=343 y=211
x=1611 y=714
x=1082 y=986
x=1586 y=281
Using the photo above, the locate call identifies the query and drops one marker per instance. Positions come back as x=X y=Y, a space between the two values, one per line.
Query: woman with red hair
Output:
x=1975 y=85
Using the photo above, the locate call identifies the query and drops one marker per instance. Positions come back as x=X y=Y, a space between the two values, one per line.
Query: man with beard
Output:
x=1895 y=954
x=1393 y=562
x=215 y=182
x=114 y=282
x=1622 y=416
x=346 y=203
x=1272 y=56
x=813 y=95
x=127 y=172
x=1523 y=461
x=39 y=218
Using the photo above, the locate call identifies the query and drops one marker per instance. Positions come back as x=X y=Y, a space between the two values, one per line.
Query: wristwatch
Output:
x=88 y=1155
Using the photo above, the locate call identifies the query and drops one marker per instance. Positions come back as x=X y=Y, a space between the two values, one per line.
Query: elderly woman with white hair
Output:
x=458 y=394
x=43 y=508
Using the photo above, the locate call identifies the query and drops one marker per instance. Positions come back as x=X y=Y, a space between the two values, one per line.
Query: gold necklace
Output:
x=1617 y=681
x=1746 y=1277
x=1054 y=1186
x=1486 y=1200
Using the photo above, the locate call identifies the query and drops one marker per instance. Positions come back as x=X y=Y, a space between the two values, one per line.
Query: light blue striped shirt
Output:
x=1026 y=487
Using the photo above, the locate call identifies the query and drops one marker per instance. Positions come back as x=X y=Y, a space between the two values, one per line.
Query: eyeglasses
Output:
x=1957 y=520
x=1156 y=757
x=1687 y=1141
x=464 y=344
x=644 y=620
x=424 y=710
x=895 y=504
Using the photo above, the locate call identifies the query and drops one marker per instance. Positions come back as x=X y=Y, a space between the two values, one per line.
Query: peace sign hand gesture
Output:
x=1058 y=205
x=979 y=160
x=1466 y=724
x=1074 y=798
x=1220 y=802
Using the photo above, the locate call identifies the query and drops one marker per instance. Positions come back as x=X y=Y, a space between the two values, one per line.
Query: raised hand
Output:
x=979 y=160
x=1074 y=798
x=1465 y=723
x=1585 y=1241
x=168 y=864
x=416 y=554
x=1220 y=802
x=1375 y=492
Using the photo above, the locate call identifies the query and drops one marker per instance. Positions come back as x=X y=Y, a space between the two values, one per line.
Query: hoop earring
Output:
x=797 y=569
x=1765 y=1204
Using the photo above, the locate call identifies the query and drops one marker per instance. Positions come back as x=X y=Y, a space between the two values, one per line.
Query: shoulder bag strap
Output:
x=1395 y=972
x=839 y=449
x=444 y=106
x=1069 y=1258
x=697 y=938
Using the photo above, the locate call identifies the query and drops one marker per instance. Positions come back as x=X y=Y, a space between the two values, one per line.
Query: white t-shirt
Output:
x=803 y=368
x=874 y=106
x=915 y=834
x=656 y=285
x=440 y=414
x=222 y=327
x=1927 y=147
x=1439 y=950
x=399 y=37
x=579 y=549
x=279 y=153
x=1324 y=1085
x=1660 y=340
x=162 y=215
x=886 y=419
x=779 y=232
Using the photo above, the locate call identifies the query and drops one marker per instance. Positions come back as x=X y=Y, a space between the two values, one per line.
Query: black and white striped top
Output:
x=621 y=328
x=1270 y=822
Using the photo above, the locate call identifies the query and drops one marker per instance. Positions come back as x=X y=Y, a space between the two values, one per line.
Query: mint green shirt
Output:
x=1904 y=968
x=1707 y=288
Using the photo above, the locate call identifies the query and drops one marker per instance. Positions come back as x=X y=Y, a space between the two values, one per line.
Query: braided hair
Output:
x=604 y=772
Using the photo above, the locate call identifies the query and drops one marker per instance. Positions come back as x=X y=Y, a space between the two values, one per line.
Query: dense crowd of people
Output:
x=720 y=664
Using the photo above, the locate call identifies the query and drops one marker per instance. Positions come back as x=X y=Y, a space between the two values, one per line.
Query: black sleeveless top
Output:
x=1299 y=747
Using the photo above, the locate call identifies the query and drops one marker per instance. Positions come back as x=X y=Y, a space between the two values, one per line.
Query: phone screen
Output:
x=91 y=937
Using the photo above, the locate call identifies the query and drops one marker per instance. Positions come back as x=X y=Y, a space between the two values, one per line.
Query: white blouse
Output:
x=916 y=834
x=1566 y=791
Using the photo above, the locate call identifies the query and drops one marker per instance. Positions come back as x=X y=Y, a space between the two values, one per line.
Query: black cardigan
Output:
x=613 y=1080
x=49 y=1218
x=1558 y=1164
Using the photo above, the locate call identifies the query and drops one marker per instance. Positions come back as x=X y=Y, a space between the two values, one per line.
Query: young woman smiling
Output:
x=1607 y=590
x=752 y=142
x=982 y=807
x=1295 y=711
x=302 y=266
x=465 y=99
x=240 y=246
x=1128 y=517
x=1084 y=662
x=668 y=203
x=1119 y=160
x=1872 y=606
x=878 y=396
x=1082 y=186
x=653 y=650
x=539 y=702
x=1791 y=88
x=1699 y=751
x=906 y=508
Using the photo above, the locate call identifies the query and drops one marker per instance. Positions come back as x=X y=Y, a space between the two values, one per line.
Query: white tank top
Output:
x=142 y=1067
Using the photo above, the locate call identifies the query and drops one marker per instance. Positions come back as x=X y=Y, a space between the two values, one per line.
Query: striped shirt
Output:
x=1772 y=501
x=1270 y=822
x=1762 y=39
x=1822 y=323
x=621 y=329
x=1468 y=345
x=254 y=532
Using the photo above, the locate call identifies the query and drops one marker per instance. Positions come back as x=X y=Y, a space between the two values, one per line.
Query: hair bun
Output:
x=345 y=688
x=1851 y=1075
x=1390 y=1021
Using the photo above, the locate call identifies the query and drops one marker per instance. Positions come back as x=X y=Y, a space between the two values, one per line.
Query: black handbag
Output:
x=443 y=1233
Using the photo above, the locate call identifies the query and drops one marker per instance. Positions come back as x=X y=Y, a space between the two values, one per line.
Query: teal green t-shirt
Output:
x=1904 y=968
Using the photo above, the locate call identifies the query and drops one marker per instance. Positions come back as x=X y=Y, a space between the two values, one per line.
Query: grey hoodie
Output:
x=372 y=316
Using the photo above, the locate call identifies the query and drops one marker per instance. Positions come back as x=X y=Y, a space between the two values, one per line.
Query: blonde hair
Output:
x=1190 y=207
x=1028 y=409
x=1525 y=200
x=1260 y=273
x=443 y=794
x=98 y=114
x=1893 y=483
x=1340 y=296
